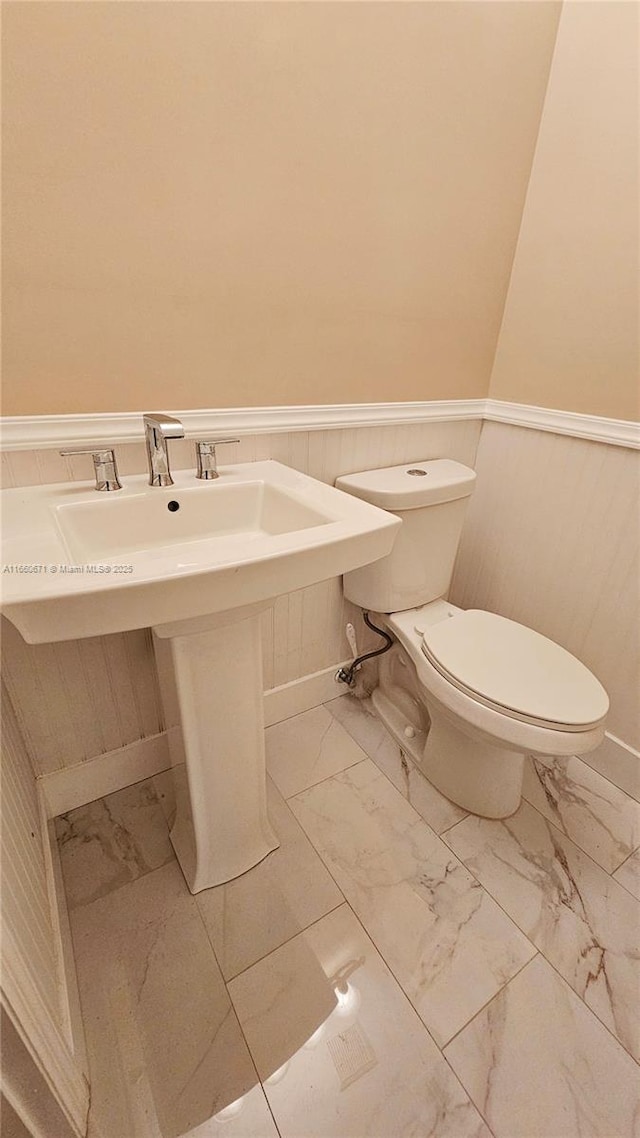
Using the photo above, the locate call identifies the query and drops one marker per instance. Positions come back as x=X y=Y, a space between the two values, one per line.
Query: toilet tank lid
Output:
x=412 y=485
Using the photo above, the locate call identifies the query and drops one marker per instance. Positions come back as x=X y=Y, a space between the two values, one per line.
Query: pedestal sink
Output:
x=197 y=562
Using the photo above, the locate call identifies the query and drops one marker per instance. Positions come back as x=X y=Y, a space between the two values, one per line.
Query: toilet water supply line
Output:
x=347 y=675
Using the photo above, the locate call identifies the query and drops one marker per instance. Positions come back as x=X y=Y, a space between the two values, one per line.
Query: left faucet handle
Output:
x=104 y=465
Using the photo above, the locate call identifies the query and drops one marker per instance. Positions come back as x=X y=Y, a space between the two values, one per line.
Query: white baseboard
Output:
x=70 y=992
x=302 y=694
x=56 y=913
x=618 y=762
x=74 y=786
x=84 y=782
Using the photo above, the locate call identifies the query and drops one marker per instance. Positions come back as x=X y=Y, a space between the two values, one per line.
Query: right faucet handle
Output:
x=206 y=456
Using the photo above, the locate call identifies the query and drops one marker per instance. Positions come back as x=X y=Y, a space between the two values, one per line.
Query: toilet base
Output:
x=411 y=736
x=480 y=778
x=466 y=765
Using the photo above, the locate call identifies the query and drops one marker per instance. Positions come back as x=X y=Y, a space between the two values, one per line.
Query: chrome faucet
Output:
x=158 y=428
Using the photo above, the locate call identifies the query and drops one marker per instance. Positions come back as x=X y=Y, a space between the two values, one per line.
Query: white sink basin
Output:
x=88 y=563
x=144 y=522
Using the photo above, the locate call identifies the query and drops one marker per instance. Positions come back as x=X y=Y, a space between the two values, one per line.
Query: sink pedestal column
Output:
x=210 y=672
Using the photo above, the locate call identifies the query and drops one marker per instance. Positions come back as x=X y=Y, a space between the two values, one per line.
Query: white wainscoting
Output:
x=81 y=698
x=551 y=539
x=34 y=991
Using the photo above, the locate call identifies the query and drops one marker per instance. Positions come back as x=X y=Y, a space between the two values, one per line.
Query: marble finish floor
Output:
x=396 y=969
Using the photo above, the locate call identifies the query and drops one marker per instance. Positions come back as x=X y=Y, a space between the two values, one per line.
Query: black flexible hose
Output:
x=347 y=675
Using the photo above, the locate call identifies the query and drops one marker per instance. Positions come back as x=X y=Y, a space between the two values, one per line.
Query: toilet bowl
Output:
x=540 y=700
x=466 y=693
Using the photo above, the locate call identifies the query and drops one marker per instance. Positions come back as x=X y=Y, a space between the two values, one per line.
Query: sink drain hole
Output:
x=173 y=506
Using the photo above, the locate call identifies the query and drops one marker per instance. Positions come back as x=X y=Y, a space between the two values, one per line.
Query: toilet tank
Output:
x=431 y=498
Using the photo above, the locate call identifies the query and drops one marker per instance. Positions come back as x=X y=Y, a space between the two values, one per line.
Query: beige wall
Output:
x=229 y=204
x=570 y=333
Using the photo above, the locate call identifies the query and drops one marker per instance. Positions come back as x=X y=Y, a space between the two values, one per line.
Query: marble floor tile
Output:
x=338 y=1047
x=166 y=1053
x=629 y=874
x=112 y=841
x=584 y=922
x=254 y=914
x=308 y=748
x=602 y=820
x=444 y=938
x=248 y=1117
x=362 y=723
x=538 y=1064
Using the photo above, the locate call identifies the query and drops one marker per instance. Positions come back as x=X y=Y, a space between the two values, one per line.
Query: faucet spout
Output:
x=158 y=428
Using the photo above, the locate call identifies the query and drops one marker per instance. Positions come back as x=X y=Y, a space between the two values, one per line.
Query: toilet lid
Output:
x=515 y=669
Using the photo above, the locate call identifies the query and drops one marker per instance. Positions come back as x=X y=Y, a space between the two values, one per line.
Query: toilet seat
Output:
x=514 y=670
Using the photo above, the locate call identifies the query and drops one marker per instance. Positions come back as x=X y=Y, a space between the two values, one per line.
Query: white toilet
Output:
x=466 y=693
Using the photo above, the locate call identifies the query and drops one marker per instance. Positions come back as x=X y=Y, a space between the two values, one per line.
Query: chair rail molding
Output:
x=30 y=432
x=616 y=432
x=34 y=432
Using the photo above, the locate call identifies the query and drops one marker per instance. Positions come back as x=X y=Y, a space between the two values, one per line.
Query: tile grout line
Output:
x=336 y=774
x=193 y=898
x=503 y=988
x=368 y=755
x=73 y=908
x=632 y=854
x=294 y=714
x=447 y=829
x=532 y=804
x=288 y=940
x=482 y=1009
x=470 y=871
x=539 y=951
x=564 y=835
x=419 y=1018
x=623 y=789
x=609 y=872
x=453 y=825
x=615 y=1038
x=232 y=1009
x=547 y=822
x=536 y=951
x=509 y=917
x=626 y=887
